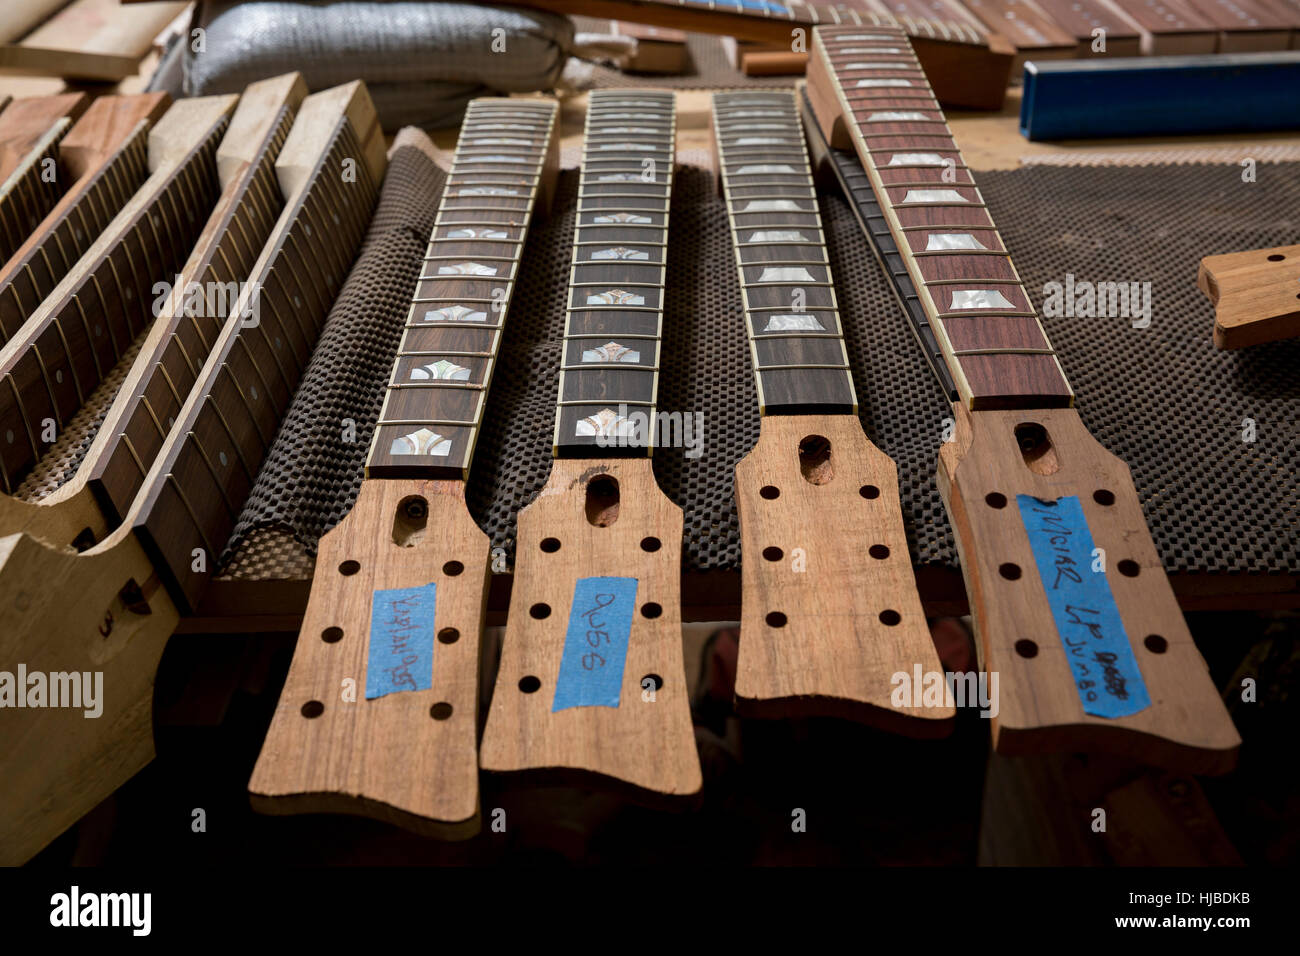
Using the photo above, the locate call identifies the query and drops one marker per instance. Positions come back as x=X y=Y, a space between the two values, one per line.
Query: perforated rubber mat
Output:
x=1161 y=398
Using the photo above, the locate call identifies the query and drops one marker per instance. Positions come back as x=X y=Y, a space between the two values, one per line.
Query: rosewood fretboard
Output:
x=609 y=371
x=795 y=337
x=434 y=405
x=329 y=167
x=983 y=319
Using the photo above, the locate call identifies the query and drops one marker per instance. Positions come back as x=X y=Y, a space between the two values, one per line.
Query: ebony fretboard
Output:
x=609 y=371
x=986 y=325
x=439 y=385
x=795 y=338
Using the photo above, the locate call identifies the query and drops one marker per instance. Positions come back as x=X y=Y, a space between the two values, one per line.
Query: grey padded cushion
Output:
x=421 y=61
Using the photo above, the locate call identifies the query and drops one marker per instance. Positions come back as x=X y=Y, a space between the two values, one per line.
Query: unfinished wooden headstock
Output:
x=1069 y=598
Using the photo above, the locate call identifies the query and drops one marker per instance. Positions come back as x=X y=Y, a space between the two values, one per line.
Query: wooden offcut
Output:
x=1256 y=295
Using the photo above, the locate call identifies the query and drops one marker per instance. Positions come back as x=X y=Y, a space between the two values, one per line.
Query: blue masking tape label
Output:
x=1106 y=673
x=595 y=645
x=401 y=640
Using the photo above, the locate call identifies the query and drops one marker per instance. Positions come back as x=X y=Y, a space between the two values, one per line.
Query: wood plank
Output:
x=1256 y=295
x=99 y=40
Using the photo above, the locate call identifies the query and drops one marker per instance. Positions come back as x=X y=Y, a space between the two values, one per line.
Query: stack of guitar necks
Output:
x=167 y=272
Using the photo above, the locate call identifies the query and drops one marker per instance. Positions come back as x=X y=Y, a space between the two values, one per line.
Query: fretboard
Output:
x=137 y=425
x=29 y=193
x=853 y=182
x=765 y=20
x=609 y=372
x=106 y=154
x=433 y=409
x=1079 y=18
x=85 y=326
x=986 y=325
x=795 y=338
x=329 y=171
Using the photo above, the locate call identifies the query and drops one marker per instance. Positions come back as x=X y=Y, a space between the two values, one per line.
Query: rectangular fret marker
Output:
x=980 y=299
x=399 y=655
x=933 y=195
x=772 y=205
x=952 y=240
x=1106 y=674
x=894 y=81
x=916 y=159
x=765 y=168
x=894 y=116
x=595 y=644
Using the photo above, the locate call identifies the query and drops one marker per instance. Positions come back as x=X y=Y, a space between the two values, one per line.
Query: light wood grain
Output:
x=26 y=124
x=86 y=39
x=646 y=745
x=840 y=562
x=1256 y=295
x=1186 y=727
x=387 y=758
x=65 y=612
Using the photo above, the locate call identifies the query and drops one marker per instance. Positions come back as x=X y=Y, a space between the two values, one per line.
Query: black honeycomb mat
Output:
x=1162 y=398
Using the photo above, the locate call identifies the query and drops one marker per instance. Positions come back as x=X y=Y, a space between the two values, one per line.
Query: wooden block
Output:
x=575 y=529
x=407 y=758
x=658 y=49
x=99 y=40
x=1048 y=454
x=830 y=611
x=1256 y=295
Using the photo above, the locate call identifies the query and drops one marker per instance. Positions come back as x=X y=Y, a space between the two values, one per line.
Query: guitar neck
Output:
x=433 y=408
x=986 y=326
x=609 y=372
x=202 y=295
x=329 y=171
x=855 y=186
x=795 y=337
x=91 y=319
x=30 y=131
x=769 y=21
x=105 y=158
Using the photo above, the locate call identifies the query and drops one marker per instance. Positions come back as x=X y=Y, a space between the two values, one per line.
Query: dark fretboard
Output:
x=434 y=406
x=852 y=180
x=795 y=338
x=193 y=494
x=609 y=371
x=30 y=192
x=770 y=20
x=986 y=325
x=90 y=320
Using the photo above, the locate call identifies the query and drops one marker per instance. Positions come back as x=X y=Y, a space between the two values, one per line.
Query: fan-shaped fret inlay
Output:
x=441 y=370
x=615 y=297
x=606 y=423
x=772 y=205
x=477 y=234
x=620 y=252
x=620 y=218
x=467 y=269
x=455 y=313
x=611 y=352
x=422 y=441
